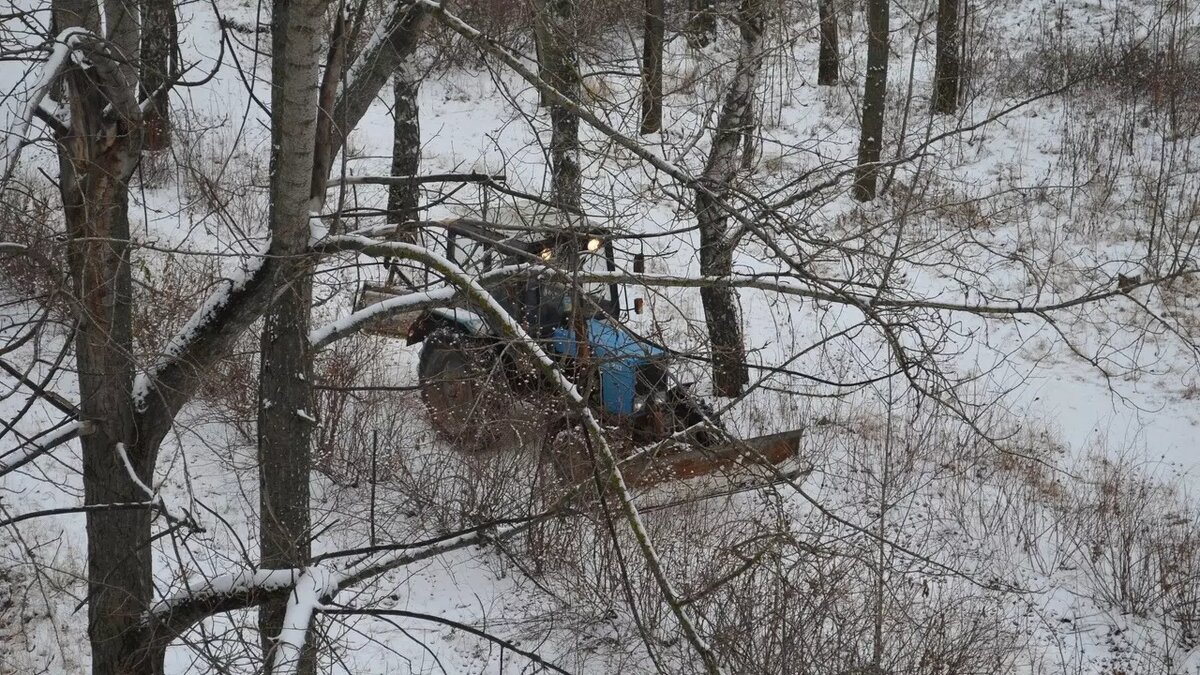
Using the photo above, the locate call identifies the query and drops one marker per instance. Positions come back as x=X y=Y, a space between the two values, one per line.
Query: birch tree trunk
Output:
x=652 y=65
x=947 y=72
x=404 y=199
x=285 y=378
x=735 y=124
x=870 y=141
x=555 y=23
x=827 y=60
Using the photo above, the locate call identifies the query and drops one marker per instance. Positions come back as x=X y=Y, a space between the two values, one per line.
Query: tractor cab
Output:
x=534 y=274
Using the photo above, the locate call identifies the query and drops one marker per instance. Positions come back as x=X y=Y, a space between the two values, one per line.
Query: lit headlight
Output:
x=594 y=245
x=655 y=398
x=547 y=253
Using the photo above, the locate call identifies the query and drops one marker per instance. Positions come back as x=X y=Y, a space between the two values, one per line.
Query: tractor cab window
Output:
x=597 y=292
x=586 y=298
x=473 y=256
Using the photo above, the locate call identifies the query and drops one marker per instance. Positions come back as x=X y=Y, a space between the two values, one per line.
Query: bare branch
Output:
x=506 y=644
x=30 y=451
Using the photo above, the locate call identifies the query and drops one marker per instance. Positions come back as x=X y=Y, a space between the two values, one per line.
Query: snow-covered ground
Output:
x=1040 y=521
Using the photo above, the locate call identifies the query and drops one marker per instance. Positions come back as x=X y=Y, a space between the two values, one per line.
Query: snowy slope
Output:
x=999 y=537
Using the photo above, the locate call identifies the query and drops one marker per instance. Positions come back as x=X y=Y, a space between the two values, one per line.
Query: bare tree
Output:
x=870 y=140
x=285 y=417
x=734 y=126
x=160 y=44
x=555 y=23
x=404 y=198
x=308 y=134
x=97 y=155
x=123 y=419
x=947 y=72
x=652 y=67
x=828 y=59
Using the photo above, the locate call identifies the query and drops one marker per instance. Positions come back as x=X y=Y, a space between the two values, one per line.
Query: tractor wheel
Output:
x=463 y=390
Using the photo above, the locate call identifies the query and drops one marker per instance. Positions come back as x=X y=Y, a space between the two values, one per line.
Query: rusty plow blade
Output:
x=765 y=460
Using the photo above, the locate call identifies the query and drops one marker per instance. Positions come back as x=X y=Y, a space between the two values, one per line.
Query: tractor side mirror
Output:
x=639 y=265
x=638 y=305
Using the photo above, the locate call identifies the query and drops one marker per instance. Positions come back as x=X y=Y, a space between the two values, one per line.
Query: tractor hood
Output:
x=618 y=354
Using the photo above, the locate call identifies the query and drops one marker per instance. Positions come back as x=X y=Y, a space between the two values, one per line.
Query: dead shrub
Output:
x=1166 y=79
x=166 y=295
x=509 y=21
x=359 y=419
x=231 y=385
x=222 y=180
x=29 y=217
x=817 y=610
x=1137 y=536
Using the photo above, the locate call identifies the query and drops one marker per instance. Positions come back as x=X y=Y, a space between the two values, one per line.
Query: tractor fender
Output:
x=463 y=320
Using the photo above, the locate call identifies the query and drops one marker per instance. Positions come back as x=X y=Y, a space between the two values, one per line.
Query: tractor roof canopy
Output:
x=531 y=240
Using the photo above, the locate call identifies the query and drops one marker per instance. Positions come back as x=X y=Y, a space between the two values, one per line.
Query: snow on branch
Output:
x=472 y=177
x=174 y=515
x=145 y=382
x=64 y=44
x=401 y=302
x=31 y=450
x=336 y=330
x=202 y=589
x=316 y=584
x=806 y=286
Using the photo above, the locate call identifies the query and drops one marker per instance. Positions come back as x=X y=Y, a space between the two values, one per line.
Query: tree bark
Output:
x=701 y=28
x=123 y=28
x=404 y=198
x=947 y=72
x=160 y=43
x=870 y=141
x=401 y=31
x=734 y=126
x=652 y=67
x=97 y=155
x=98 y=152
x=722 y=315
x=557 y=34
x=827 y=61
x=285 y=375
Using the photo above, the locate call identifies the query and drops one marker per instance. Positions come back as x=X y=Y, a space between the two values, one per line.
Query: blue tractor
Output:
x=482 y=393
